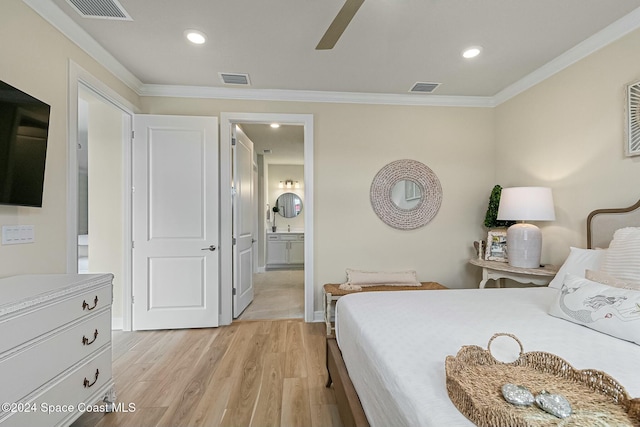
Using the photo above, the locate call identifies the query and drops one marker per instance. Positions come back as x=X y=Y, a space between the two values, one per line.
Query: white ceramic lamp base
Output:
x=524 y=245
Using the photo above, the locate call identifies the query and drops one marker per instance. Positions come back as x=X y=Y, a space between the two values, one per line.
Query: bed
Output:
x=387 y=359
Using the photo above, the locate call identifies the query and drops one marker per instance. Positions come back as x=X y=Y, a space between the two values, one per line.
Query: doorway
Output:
x=278 y=278
x=227 y=122
x=101 y=120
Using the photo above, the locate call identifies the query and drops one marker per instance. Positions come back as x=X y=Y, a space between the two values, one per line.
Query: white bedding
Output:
x=394 y=345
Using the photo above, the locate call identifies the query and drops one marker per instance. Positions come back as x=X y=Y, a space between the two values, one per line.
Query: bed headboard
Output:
x=602 y=223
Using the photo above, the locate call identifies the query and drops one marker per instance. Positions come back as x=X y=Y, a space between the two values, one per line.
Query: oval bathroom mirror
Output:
x=289 y=205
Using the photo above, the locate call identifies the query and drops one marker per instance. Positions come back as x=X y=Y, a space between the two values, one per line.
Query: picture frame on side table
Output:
x=496 y=246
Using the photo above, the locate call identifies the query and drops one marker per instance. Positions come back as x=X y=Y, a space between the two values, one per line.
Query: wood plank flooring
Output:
x=251 y=373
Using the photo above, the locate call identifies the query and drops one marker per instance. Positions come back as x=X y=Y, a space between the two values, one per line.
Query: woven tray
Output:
x=475 y=379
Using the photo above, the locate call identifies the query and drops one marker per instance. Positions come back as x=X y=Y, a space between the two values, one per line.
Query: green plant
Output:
x=491 y=218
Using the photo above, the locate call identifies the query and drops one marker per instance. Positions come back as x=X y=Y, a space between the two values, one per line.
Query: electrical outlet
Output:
x=18 y=234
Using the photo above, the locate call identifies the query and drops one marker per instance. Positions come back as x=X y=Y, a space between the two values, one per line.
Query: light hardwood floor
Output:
x=251 y=373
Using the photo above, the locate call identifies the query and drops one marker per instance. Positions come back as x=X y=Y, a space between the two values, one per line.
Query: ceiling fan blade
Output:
x=339 y=24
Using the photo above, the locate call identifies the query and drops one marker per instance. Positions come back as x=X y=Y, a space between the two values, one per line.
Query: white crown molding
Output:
x=315 y=96
x=51 y=13
x=607 y=35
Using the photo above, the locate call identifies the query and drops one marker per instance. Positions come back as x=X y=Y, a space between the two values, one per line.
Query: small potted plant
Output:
x=491 y=219
x=275 y=210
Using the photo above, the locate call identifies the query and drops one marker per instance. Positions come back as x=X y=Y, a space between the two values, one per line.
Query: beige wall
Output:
x=37 y=61
x=352 y=143
x=567 y=133
x=106 y=243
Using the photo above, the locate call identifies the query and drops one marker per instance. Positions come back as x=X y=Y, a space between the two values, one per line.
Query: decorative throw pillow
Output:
x=576 y=263
x=613 y=311
x=605 y=279
x=381 y=278
x=623 y=256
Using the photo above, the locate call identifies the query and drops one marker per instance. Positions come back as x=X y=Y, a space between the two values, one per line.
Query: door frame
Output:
x=78 y=76
x=227 y=120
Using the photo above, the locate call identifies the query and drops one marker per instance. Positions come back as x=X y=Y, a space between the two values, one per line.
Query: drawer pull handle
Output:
x=85 y=306
x=88 y=384
x=85 y=340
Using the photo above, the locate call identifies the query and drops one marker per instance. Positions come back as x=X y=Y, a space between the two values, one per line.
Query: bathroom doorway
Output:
x=292 y=283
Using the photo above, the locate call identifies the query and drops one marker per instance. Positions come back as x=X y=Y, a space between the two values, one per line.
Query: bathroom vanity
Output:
x=285 y=250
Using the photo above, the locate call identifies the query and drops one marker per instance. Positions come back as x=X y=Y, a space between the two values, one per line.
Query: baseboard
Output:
x=117 y=323
x=318 y=316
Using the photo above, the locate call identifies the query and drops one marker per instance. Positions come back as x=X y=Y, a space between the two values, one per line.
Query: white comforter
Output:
x=395 y=343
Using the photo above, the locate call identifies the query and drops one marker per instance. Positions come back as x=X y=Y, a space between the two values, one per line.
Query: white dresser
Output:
x=55 y=348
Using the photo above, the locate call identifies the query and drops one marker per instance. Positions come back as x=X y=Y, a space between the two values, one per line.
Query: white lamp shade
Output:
x=526 y=204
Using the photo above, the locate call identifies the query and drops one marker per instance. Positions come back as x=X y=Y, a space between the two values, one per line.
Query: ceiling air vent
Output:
x=235 y=79
x=101 y=9
x=424 y=87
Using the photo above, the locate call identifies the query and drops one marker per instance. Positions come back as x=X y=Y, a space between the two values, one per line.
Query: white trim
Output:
x=609 y=34
x=117 y=323
x=51 y=13
x=315 y=96
x=226 y=121
x=79 y=76
x=56 y=17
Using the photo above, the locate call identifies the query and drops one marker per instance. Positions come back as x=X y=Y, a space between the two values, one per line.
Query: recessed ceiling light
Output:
x=275 y=125
x=471 y=52
x=195 y=36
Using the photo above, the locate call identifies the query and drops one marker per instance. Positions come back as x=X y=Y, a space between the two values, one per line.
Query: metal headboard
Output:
x=602 y=223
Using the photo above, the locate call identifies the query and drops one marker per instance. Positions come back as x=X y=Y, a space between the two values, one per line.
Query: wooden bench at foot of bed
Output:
x=332 y=293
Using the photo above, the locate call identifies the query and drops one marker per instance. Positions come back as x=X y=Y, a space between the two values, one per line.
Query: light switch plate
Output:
x=18 y=234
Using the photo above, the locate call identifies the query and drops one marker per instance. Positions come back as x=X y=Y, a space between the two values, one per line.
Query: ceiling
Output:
x=388 y=46
x=286 y=142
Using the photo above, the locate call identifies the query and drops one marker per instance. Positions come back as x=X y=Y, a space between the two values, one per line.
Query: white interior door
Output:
x=243 y=221
x=176 y=217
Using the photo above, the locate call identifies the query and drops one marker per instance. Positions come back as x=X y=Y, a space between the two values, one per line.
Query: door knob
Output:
x=210 y=248
x=253 y=240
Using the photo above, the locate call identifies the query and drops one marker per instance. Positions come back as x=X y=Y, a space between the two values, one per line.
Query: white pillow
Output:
x=605 y=279
x=577 y=262
x=622 y=260
x=613 y=311
x=382 y=278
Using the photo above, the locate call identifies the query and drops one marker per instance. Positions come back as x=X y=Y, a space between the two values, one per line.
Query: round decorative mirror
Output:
x=406 y=194
x=289 y=205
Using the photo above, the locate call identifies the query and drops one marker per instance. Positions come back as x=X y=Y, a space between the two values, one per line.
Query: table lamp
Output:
x=524 y=241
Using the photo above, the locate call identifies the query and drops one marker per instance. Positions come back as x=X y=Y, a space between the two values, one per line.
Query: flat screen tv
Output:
x=24 y=127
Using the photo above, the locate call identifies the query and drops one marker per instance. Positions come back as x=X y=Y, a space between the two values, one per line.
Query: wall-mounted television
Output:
x=24 y=128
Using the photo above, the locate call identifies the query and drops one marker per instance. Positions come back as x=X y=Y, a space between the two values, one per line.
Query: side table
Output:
x=332 y=293
x=496 y=270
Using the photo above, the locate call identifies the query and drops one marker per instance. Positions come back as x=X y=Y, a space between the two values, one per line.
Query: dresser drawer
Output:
x=62 y=398
x=23 y=325
x=37 y=361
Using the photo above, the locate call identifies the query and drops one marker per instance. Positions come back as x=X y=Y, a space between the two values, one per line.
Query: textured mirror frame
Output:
x=406 y=219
